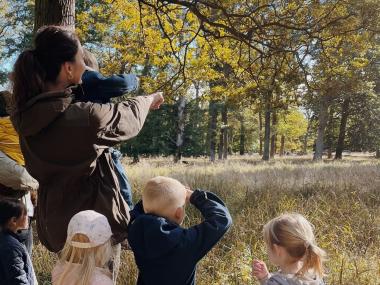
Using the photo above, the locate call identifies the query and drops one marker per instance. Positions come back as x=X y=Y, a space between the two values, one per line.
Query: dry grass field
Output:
x=342 y=200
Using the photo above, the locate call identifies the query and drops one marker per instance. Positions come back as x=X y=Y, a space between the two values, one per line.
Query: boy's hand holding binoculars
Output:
x=189 y=192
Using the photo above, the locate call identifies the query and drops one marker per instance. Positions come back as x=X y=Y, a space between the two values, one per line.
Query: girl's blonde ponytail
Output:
x=314 y=257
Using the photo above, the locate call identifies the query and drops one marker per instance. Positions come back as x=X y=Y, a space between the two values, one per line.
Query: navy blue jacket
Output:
x=15 y=264
x=97 y=88
x=167 y=254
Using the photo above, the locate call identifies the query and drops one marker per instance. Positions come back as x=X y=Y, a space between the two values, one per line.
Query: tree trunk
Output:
x=267 y=129
x=282 y=147
x=378 y=153
x=322 y=119
x=136 y=158
x=304 y=147
x=242 y=136
x=220 y=146
x=225 y=130
x=330 y=132
x=306 y=137
x=230 y=142
x=260 y=133
x=212 y=129
x=274 y=135
x=54 y=12
x=180 y=128
x=342 y=128
x=197 y=88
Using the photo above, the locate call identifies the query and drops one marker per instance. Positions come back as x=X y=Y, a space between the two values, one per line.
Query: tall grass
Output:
x=342 y=200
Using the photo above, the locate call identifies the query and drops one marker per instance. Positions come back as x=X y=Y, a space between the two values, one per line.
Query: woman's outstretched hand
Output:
x=157 y=100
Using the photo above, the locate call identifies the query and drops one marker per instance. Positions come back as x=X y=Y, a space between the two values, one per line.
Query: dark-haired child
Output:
x=15 y=264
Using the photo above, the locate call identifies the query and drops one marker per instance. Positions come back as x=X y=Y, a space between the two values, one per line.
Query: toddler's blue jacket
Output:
x=100 y=89
x=15 y=265
x=166 y=253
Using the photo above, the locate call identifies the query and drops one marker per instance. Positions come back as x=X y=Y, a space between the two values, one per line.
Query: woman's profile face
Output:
x=76 y=68
x=72 y=71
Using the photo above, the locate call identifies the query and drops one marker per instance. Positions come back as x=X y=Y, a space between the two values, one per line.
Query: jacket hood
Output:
x=290 y=279
x=40 y=111
x=152 y=236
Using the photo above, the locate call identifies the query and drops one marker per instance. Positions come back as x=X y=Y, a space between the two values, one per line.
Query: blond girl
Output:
x=87 y=253
x=291 y=246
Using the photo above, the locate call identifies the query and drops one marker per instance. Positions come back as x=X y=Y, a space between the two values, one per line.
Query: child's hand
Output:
x=157 y=100
x=189 y=192
x=259 y=269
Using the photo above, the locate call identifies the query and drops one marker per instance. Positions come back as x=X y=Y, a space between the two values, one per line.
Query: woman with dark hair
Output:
x=65 y=143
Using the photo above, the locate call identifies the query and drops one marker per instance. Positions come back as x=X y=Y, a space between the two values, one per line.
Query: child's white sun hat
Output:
x=92 y=224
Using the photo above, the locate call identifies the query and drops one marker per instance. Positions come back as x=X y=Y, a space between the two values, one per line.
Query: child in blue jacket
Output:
x=165 y=252
x=15 y=265
x=100 y=89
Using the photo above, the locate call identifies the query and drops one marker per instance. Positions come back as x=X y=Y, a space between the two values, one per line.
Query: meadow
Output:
x=341 y=199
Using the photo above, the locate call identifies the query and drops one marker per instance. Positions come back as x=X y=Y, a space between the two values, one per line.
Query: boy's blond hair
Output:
x=295 y=233
x=90 y=59
x=162 y=193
